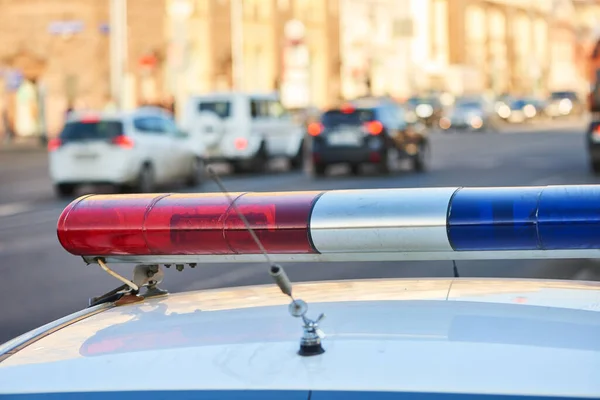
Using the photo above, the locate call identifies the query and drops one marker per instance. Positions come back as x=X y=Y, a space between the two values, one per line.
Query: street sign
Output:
x=104 y=28
x=13 y=79
x=65 y=27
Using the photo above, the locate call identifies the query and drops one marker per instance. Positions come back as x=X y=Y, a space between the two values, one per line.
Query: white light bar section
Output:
x=382 y=220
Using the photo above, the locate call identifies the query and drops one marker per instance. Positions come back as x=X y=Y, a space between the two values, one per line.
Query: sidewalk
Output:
x=23 y=145
x=575 y=125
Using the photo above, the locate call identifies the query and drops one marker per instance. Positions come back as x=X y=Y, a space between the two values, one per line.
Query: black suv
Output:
x=367 y=132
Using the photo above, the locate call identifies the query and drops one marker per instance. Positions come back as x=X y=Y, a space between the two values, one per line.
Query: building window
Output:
x=249 y=9
x=283 y=5
x=263 y=10
x=333 y=7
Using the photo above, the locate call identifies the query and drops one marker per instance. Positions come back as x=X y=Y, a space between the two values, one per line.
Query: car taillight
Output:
x=240 y=143
x=374 y=127
x=315 y=129
x=123 y=141
x=187 y=224
x=347 y=109
x=54 y=144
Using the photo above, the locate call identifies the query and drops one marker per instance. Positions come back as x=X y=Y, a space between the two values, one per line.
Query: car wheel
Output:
x=595 y=165
x=197 y=174
x=389 y=161
x=420 y=160
x=297 y=162
x=319 y=169
x=261 y=160
x=145 y=182
x=65 y=190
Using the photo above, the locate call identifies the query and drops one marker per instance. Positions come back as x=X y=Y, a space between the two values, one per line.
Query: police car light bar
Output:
x=337 y=225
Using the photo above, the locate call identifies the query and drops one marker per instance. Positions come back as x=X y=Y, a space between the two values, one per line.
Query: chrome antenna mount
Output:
x=310 y=343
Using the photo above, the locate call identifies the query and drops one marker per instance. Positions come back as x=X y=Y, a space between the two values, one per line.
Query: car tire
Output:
x=197 y=174
x=420 y=160
x=65 y=190
x=595 y=166
x=319 y=170
x=146 y=180
x=261 y=160
x=389 y=161
x=297 y=162
x=257 y=164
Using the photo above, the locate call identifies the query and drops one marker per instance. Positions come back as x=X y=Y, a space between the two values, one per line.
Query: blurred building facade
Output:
x=59 y=50
x=462 y=46
x=313 y=51
x=172 y=48
x=306 y=68
x=516 y=46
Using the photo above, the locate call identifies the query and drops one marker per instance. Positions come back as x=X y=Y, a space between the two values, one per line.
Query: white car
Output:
x=244 y=130
x=382 y=339
x=135 y=150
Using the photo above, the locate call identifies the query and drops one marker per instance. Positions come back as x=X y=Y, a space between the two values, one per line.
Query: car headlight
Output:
x=565 y=106
x=445 y=123
x=476 y=122
x=424 y=110
x=504 y=111
x=529 y=111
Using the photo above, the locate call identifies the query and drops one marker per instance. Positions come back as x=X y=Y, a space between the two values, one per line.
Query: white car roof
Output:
x=485 y=336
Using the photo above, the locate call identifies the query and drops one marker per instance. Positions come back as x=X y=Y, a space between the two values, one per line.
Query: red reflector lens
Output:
x=90 y=119
x=186 y=224
x=123 y=141
x=374 y=127
x=347 y=109
x=315 y=129
x=54 y=144
x=375 y=157
x=241 y=143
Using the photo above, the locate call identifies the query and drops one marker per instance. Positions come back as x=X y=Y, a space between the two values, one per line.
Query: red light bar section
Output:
x=187 y=224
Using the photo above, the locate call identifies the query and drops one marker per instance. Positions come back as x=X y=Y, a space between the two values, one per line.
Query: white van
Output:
x=244 y=130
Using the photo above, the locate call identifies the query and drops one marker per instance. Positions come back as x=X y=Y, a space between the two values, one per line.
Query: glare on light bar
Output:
x=340 y=225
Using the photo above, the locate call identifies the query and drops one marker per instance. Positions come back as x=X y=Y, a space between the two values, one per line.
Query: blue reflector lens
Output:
x=538 y=218
x=494 y=219
x=569 y=217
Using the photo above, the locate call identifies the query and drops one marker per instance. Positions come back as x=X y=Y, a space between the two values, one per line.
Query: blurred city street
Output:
x=139 y=95
x=42 y=282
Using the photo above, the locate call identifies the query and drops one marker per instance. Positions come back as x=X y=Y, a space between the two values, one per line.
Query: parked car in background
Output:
x=428 y=109
x=245 y=130
x=134 y=151
x=518 y=110
x=563 y=104
x=367 y=131
x=472 y=113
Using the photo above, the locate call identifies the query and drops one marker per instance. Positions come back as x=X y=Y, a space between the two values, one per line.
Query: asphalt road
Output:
x=40 y=282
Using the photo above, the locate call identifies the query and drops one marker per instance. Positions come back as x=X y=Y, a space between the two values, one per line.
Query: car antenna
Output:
x=310 y=343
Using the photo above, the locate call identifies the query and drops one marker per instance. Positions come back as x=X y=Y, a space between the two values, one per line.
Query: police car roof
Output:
x=485 y=336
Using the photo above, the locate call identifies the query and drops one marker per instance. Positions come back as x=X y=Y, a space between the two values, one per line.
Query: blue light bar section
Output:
x=525 y=218
x=494 y=219
x=569 y=217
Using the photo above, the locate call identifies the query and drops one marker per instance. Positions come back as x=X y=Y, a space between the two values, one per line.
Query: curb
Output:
x=29 y=145
x=20 y=149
